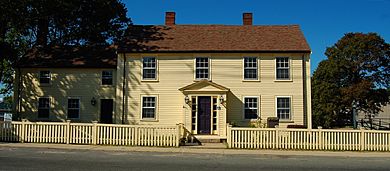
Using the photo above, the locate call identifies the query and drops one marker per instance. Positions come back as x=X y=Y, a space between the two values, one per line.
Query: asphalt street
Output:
x=17 y=158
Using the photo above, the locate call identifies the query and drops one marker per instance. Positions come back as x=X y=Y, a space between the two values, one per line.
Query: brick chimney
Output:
x=247 y=18
x=170 y=18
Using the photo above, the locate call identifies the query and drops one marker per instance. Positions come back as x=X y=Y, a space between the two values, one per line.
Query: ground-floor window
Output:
x=43 y=107
x=149 y=107
x=251 y=107
x=73 y=108
x=283 y=108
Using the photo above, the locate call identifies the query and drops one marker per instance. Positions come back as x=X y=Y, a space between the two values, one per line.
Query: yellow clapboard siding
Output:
x=177 y=70
x=66 y=82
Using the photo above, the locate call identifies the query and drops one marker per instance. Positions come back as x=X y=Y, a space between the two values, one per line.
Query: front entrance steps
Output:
x=199 y=140
x=207 y=146
x=210 y=138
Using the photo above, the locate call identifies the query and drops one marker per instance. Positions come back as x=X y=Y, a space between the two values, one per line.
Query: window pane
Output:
x=283 y=108
x=73 y=103
x=106 y=81
x=43 y=107
x=44 y=77
x=202 y=68
x=149 y=68
x=148 y=107
x=282 y=68
x=148 y=113
x=73 y=108
x=250 y=68
x=283 y=73
x=250 y=74
x=149 y=74
x=250 y=113
x=43 y=103
x=106 y=77
x=250 y=108
x=149 y=62
x=73 y=113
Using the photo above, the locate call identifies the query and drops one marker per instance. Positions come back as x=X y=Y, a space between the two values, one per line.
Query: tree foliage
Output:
x=357 y=69
x=28 y=23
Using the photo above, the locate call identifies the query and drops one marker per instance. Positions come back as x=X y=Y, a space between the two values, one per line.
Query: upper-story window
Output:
x=283 y=108
x=282 y=68
x=202 y=69
x=44 y=77
x=149 y=68
x=107 y=78
x=250 y=68
x=43 y=107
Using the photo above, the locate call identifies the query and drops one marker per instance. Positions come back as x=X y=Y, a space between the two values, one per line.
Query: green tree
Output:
x=357 y=69
x=28 y=23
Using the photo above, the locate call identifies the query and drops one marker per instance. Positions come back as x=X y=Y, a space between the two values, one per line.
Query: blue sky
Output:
x=323 y=22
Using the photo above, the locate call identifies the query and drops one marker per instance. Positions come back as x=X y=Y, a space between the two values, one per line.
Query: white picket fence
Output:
x=308 y=139
x=90 y=133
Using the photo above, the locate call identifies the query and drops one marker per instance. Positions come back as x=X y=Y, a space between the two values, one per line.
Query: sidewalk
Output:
x=205 y=149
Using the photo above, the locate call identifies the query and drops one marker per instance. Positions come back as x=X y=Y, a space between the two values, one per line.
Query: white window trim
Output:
x=291 y=108
x=102 y=77
x=209 y=68
x=258 y=107
x=67 y=107
x=50 y=106
x=39 y=77
x=289 y=69
x=257 y=69
x=156 y=68
x=155 y=119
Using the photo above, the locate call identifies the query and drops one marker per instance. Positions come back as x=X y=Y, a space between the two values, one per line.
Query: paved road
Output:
x=13 y=158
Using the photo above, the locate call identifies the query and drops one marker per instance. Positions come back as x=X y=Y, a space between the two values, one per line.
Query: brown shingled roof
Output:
x=221 y=38
x=70 y=56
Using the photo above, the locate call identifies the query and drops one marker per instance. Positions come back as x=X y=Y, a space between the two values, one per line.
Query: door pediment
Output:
x=204 y=86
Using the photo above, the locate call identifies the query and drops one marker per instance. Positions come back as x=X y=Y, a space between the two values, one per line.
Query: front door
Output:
x=106 y=110
x=204 y=114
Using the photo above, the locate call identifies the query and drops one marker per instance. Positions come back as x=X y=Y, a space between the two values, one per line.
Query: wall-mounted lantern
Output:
x=93 y=101
x=187 y=100
x=222 y=99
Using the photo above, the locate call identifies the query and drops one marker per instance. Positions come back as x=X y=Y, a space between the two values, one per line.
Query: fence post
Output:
x=229 y=135
x=94 y=133
x=362 y=139
x=320 y=138
x=277 y=136
x=67 y=133
x=137 y=137
x=23 y=131
x=178 y=133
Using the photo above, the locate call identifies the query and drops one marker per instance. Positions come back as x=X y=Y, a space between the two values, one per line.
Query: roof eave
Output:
x=220 y=51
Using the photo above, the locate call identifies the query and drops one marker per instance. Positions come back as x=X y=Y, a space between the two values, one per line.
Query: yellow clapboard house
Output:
x=204 y=76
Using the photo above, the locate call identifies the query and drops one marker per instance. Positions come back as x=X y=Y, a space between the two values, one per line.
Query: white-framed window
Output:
x=107 y=77
x=250 y=68
x=73 y=108
x=251 y=107
x=202 y=68
x=283 y=108
x=44 y=77
x=282 y=68
x=149 y=106
x=43 y=107
x=149 y=68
